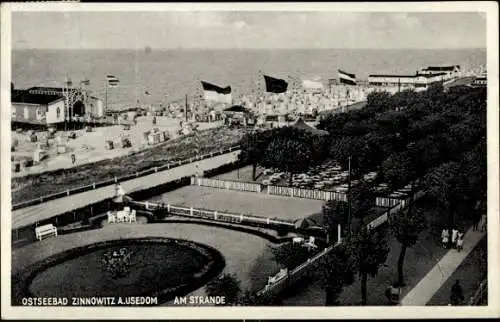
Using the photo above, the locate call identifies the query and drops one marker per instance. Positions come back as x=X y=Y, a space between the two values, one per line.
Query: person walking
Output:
x=444 y=237
x=460 y=241
x=484 y=223
x=454 y=234
x=457 y=295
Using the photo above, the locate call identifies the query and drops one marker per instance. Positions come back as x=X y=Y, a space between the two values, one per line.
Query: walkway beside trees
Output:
x=437 y=276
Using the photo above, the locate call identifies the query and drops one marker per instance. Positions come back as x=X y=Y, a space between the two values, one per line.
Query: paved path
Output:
x=437 y=276
x=26 y=216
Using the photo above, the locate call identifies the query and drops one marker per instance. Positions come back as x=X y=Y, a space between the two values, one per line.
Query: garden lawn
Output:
x=37 y=185
x=247 y=256
x=251 y=203
x=470 y=273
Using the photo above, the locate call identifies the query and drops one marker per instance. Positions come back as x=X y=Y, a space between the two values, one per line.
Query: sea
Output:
x=157 y=77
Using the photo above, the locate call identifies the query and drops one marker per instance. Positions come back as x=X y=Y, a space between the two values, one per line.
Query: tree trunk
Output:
x=401 y=261
x=290 y=179
x=331 y=297
x=364 y=278
x=254 y=172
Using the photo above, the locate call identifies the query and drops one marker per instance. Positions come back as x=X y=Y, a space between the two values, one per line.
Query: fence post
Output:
x=41 y=199
x=241 y=218
x=191 y=211
x=156 y=169
x=168 y=166
x=339 y=231
x=168 y=208
x=67 y=192
x=147 y=205
x=229 y=149
x=215 y=215
x=116 y=180
x=137 y=174
x=93 y=185
x=267 y=220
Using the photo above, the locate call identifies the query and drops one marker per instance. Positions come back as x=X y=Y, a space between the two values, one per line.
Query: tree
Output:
x=370 y=250
x=290 y=151
x=290 y=255
x=336 y=271
x=406 y=226
x=337 y=212
x=253 y=146
x=226 y=285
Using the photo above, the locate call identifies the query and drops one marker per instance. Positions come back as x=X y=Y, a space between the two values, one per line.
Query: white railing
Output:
x=306 y=193
x=227 y=184
x=214 y=215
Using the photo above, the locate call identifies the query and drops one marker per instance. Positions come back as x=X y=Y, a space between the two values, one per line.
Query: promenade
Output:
x=439 y=274
x=29 y=215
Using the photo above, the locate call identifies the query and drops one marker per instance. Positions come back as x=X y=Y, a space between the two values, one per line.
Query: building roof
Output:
x=395 y=76
x=24 y=96
x=441 y=68
x=237 y=108
x=300 y=124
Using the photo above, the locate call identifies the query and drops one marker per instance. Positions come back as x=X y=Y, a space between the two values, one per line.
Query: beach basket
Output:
x=72 y=135
x=33 y=138
x=109 y=145
x=88 y=129
x=19 y=130
x=61 y=149
x=16 y=166
x=126 y=143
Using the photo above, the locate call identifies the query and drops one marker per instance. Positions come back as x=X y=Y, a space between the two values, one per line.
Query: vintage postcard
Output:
x=250 y=161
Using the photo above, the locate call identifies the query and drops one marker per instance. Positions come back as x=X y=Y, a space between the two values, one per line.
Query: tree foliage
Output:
x=291 y=151
x=406 y=226
x=336 y=271
x=370 y=250
x=226 y=285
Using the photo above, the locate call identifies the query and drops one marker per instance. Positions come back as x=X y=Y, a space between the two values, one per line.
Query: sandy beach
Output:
x=90 y=147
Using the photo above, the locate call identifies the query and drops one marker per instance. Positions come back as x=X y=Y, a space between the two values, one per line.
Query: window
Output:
x=58 y=112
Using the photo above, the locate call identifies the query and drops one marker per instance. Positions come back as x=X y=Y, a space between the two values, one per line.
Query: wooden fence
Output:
x=127 y=177
x=306 y=193
x=227 y=184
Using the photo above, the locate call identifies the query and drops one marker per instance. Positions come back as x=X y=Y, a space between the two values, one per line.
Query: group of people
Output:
x=456 y=241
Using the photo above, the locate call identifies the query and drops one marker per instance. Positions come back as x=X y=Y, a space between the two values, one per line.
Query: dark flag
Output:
x=146 y=93
x=275 y=85
x=346 y=78
x=213 y=92
x=112 y=81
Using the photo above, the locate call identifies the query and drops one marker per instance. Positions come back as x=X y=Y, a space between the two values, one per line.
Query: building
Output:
x=450 y=72
x=44 y=106
x=418 y=81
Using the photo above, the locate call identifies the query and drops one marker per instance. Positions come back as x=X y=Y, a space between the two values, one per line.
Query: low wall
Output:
x=217 y=216
x=306 y=193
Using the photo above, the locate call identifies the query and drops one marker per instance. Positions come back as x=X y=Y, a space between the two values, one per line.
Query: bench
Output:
x=45 y=231
x=276 y=278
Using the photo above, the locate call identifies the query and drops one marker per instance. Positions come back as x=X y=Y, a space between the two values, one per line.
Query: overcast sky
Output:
x=226 y=29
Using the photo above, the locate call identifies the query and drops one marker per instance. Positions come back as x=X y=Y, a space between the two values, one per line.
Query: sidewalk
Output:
x=29 y=215
x=437 y=276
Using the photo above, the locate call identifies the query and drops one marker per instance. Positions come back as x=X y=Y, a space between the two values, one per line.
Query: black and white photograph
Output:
x=250 y=158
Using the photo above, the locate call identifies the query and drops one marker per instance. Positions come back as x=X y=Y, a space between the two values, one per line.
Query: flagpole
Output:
x=106 y=99
x=186 y=108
